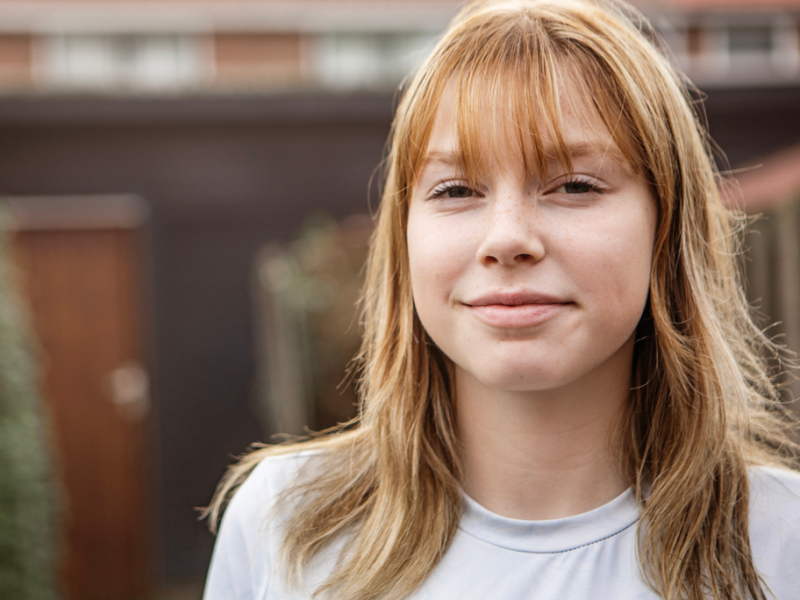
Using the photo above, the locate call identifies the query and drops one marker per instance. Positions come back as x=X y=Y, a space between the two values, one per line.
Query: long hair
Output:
x=703 y=406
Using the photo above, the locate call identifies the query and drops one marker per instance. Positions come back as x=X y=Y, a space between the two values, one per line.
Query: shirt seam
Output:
x=472 y=535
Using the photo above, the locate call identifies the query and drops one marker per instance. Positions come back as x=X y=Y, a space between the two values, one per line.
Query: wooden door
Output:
x=81 y=270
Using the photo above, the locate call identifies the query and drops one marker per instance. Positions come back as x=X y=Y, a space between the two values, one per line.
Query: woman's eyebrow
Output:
x=438 y=157
x=605 y=150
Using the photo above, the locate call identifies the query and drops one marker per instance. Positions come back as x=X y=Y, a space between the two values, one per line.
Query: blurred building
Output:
x=153 y=148
x=186 y=46
x=731 y=42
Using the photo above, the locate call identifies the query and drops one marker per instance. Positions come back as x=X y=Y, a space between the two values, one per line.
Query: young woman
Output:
x=564 y=395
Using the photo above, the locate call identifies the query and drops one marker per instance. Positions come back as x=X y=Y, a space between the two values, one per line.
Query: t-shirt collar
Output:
x=556 y=535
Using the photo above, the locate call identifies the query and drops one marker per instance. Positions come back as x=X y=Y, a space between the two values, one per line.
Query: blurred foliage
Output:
x=27 y=493
x=310 y=321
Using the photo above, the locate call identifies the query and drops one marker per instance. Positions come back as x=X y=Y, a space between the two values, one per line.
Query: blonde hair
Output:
x=702 y=406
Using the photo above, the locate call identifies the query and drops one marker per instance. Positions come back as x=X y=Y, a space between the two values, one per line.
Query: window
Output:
x=152 y=62
x=750 y=39
x=741 y=50
x=352 y=60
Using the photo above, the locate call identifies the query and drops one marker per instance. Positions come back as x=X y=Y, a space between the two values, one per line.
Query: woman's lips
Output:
x=516 y=309
x=521 y=315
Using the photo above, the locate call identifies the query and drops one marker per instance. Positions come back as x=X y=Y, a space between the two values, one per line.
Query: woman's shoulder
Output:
x=274 y=473
x=254 y=501
x=775 y=528
x=249 y=536
x=775 y=497
x=776 y=488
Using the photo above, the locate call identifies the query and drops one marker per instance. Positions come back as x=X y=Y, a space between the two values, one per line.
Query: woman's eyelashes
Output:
x=577 y=185
x=573 y=185
x=452 y=189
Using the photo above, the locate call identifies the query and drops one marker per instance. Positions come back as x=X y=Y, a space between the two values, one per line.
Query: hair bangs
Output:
x=507 y=104
x=510 y=94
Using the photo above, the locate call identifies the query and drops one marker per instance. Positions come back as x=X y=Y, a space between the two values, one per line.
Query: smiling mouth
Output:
x=516 y=310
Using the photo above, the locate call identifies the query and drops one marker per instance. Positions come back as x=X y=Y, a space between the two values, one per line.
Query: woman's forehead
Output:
x=496 y=135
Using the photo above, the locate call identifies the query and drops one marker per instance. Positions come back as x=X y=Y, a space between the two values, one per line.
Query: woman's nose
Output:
x=512 y=234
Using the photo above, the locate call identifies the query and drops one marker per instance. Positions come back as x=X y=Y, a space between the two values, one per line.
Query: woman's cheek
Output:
x=440 y=250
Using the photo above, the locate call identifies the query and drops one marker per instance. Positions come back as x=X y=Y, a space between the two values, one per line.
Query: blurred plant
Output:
x=28 y=545
x=309 y=330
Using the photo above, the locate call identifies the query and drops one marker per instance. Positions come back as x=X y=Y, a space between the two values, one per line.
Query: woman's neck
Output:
x=542 y=455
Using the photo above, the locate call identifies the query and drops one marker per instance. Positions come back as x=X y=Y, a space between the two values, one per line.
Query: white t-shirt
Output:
x=590 y=556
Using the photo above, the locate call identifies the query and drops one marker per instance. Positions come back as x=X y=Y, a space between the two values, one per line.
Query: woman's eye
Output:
x=578 y=186
x=459 y=191
x=452 y=191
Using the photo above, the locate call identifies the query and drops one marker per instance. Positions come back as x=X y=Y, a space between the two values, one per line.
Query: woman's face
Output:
x=531 y=282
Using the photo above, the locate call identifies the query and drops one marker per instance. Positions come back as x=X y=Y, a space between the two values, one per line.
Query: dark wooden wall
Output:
x=223 y=176
x=750 y=123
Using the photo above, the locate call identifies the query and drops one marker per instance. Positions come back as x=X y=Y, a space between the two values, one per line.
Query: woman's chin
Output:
x=516 y=378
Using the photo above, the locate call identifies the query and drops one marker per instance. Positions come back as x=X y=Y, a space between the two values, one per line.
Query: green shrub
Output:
x=27 y=500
